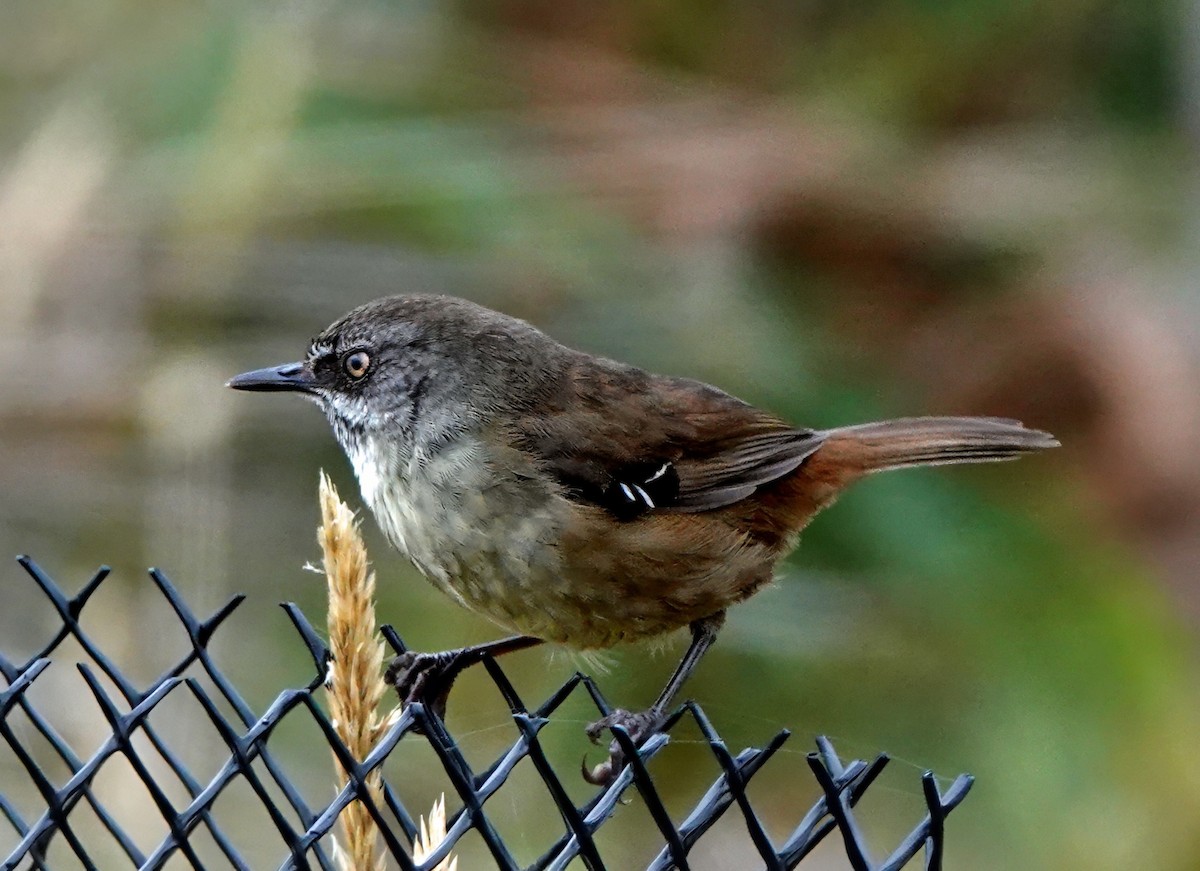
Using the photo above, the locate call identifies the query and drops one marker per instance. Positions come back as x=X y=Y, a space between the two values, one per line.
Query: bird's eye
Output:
x=357 y=364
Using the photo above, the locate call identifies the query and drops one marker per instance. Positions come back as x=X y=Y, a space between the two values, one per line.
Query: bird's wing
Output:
x=633 y=442
x=744 y=462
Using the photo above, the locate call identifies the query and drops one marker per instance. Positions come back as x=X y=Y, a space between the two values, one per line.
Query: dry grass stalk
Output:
x=432 y=833
x=355 y=682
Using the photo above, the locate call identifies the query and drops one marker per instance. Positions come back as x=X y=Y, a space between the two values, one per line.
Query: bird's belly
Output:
x=489 y=541
x=511 y=548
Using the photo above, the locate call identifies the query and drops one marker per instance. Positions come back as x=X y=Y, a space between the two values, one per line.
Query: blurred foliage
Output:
x=219 y=180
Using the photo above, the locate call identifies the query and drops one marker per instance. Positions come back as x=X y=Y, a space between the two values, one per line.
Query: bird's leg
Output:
x=427 y=677
x=642 y=724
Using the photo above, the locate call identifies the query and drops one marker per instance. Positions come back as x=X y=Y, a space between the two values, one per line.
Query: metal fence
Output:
x=56 y=833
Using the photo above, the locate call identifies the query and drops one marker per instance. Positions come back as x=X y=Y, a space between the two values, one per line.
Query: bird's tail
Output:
x=934 y=441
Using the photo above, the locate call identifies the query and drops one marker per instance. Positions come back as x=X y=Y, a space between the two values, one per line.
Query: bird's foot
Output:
x=639 y=726
x=425 y=678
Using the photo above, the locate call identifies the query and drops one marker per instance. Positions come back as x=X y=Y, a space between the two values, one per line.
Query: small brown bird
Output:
x=574 y=499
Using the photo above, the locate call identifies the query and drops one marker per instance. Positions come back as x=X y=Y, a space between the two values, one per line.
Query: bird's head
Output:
x=403 y=363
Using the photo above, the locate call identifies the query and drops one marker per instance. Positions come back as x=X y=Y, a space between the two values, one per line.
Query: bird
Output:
x=577 y=500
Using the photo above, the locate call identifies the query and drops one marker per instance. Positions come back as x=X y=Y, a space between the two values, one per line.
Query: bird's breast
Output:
x=470 y=520
x=502 y=540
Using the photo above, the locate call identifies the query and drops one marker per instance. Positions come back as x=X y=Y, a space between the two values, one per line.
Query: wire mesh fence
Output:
x=58 y=817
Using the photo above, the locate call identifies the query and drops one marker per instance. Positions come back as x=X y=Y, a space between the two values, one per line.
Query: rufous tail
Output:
x=933 y=441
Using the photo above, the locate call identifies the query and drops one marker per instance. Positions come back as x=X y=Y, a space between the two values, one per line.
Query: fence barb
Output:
x=306 y=832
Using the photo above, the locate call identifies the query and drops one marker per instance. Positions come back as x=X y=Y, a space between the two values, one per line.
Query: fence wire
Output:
x=71 y=812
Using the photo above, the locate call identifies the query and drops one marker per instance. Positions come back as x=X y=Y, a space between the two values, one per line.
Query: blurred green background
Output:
x=838 y=211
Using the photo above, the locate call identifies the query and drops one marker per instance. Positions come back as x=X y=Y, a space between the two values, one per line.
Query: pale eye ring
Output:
x=356 y=364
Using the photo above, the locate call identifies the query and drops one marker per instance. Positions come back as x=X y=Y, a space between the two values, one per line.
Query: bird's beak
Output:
x=295 y=377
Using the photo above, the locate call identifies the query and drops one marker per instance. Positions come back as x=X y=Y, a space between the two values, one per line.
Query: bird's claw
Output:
x=423 y=677
x=639 y=726
x=602 y=774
